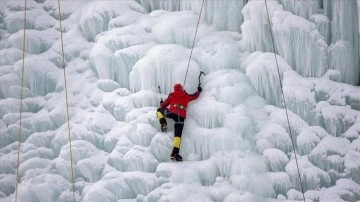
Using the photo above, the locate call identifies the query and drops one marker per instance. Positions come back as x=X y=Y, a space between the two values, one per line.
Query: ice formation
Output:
x=293 y=31
x=238 y=144
x=331 y=33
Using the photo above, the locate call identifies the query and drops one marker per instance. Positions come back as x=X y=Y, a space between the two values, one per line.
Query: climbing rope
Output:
x=192 y=47
x=21 y=109
x=283 y=97
x=67 y=105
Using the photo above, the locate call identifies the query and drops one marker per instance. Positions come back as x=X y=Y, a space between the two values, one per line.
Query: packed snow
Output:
x=123 y=57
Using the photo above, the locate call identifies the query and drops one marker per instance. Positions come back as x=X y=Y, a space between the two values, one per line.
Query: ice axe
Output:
x=161 y=100
x=201 y=73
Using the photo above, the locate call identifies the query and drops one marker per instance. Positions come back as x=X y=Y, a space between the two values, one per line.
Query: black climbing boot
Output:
x=175 y=157
x=164 y=127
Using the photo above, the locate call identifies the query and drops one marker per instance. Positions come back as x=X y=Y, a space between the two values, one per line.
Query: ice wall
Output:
x=237 y=147
x=223 y=16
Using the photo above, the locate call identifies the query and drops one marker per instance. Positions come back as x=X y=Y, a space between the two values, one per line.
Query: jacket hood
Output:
x=178 y=87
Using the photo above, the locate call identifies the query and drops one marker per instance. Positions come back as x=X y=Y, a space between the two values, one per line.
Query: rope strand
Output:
x=67 y=106
x=283 y=97
x=192 y=47
x=21 y=108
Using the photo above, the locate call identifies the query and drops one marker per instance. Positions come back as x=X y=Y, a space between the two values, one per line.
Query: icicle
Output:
x=352 y=165
x=311 y=176
x=102 y=60
x=280 y=182
x=262 y=72
x=255 y=29
x=323 y=25
x=224 y=16
x=299 y=95
x=309 y=58
x=275 y=159
x=164 y=65
x=338 y=119
x=309 y=138
x=297 y=7
x=9 y=56
x=94 y=20
x=125 y=59
x=41 y=75
x=343 y=58
x=344 y=18
x=329 y=153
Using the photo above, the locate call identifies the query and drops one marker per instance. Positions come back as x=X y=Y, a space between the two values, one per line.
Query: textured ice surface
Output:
x=223 y=16
x=261 y=68
x=236 y=141
x=296 y=7
x=256 y=28
x=293 y=31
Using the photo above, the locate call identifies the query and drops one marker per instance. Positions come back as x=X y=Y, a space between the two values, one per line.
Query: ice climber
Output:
x=174 y=107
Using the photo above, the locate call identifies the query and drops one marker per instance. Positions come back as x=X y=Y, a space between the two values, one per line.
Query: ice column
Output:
x=255 y=29
x=301 y=8
x=345 y=38
x=102 y=60
x=163 y=65
x=300 y=43
x=262 y=72
x=96 y=16
x=223 y=15
x=322 y=23
x=169 y=5
x=41 y=75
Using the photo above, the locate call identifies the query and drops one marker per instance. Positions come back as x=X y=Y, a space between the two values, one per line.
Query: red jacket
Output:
x=179 y=100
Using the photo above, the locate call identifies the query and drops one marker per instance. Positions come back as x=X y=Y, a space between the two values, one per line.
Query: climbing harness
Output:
x=21 y=109
x=192 y=47
x=284 y=101
x=67 y=105
x=179 y=106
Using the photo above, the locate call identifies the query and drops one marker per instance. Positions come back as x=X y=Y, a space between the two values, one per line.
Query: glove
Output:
x=199 y=89
x=161 y=102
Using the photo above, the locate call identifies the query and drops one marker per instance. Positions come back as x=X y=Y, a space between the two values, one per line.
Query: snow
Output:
x=237 y=143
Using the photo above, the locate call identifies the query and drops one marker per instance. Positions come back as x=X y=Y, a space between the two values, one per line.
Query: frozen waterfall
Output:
x=123 y=57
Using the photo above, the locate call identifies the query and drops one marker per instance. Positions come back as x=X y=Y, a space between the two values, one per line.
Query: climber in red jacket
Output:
x=177 y=102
